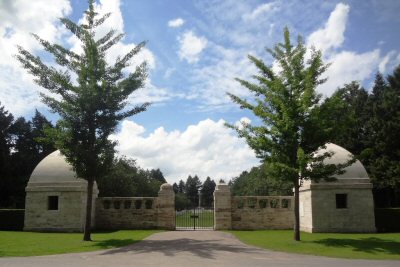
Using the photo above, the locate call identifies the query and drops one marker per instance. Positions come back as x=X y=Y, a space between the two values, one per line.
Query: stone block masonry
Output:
x=262 y=212
x=137 y=212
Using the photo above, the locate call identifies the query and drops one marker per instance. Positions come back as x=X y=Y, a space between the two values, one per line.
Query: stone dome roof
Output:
x=353 y=173
x=54 y=169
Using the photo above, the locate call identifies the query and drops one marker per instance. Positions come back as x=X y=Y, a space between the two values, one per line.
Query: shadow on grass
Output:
x=370 y=245
x=113 y=243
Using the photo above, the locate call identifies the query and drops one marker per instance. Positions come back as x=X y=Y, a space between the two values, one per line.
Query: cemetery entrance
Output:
x=190 y=216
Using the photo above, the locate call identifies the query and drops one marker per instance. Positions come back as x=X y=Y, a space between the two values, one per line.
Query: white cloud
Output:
x=176 y=23
x=389 y=62
x=349 y=66
x=260 y=10
x=115 y=22
x=206 y=149
x=18 y=19
x=191 y=46
x=346 y=66
x=332 y=34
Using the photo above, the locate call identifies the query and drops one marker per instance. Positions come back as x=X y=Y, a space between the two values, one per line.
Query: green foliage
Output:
x=14 y=244
x=90 y=108
x=387 y=220
x=367 y=125
x=288 y=105
x=350 y=246
x=21 y=150
x=127 y=179
x=12 y=219
x=256 y=183
x=181 y=201
x=207 y=193
x=292 y=127
x=191 y=190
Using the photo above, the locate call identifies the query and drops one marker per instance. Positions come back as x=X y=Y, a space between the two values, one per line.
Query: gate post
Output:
x=166 y=207
x=222 y=207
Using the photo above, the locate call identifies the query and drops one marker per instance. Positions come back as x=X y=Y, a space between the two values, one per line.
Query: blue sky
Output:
x=195 y=50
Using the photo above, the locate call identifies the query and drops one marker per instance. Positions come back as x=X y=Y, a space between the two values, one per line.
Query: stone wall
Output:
x=251 y=212
x=262 y=212
x=137 y=212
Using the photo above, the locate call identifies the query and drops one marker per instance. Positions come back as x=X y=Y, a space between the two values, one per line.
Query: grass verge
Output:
x=33 y=244
x=350 y=246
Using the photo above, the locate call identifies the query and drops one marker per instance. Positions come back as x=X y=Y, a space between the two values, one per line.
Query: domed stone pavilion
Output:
x=55 y=197
x=345 y=205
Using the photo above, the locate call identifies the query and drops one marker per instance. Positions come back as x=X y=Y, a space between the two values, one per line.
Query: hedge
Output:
x=12 y=219
x=387 y=220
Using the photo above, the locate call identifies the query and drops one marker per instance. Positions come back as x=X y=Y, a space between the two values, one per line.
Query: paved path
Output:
x=188 y=248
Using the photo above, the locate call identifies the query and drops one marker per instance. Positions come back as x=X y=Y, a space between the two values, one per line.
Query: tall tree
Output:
x=6 y=120
x=40 y=124
x=382 y=154
x=256 y=183
x=91 y=108
x=207 y=192
x=192 y=186
x=181 y=186
x=347 y=111
x=288 y=106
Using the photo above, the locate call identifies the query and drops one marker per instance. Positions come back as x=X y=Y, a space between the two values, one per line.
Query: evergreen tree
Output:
x=288 y=106
x=181 y=186
x=158 y=175
x=382 y=155
x=207 y=192
x=90 y=109
x=40 y=124
x=256 y=183
x=191 y=189
x=6 y=120
x=346 y=113
x=175 y=188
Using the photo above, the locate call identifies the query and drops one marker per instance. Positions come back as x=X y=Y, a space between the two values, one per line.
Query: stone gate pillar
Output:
x=222 y=207
x=166 y=207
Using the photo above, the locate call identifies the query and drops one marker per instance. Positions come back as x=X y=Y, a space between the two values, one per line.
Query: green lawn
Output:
x=205 y=219
x=354 y=246
x=33 y=244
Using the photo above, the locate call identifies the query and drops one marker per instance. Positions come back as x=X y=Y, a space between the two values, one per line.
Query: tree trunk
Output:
x=296 y=211
x=88 y=220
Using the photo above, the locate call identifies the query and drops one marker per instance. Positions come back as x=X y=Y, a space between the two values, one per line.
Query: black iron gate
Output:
x=194 y=219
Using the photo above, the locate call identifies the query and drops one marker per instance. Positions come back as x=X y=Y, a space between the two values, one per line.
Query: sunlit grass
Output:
x=33 y=243
x=354 y=246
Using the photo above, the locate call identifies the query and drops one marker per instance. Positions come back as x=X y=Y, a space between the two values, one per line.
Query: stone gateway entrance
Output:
x=194 y=219
x=56 y=201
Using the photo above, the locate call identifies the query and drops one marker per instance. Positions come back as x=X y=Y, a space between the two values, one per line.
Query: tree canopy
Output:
x=91 y=107
x=288 y=105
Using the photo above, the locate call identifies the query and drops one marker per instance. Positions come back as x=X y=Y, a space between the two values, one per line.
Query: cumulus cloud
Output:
x=18 y=19
x=346 y=66
x=115 y=22
x=191 y=46
x=332 y=34
x=176 y=23
x=207 y=148
x=349 y=66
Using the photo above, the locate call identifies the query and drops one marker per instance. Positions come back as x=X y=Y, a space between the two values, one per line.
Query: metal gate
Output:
x=194 y=219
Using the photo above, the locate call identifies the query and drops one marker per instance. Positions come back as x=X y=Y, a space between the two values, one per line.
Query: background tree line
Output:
x=365 y=123
x=187 y=193
x=22 y=147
